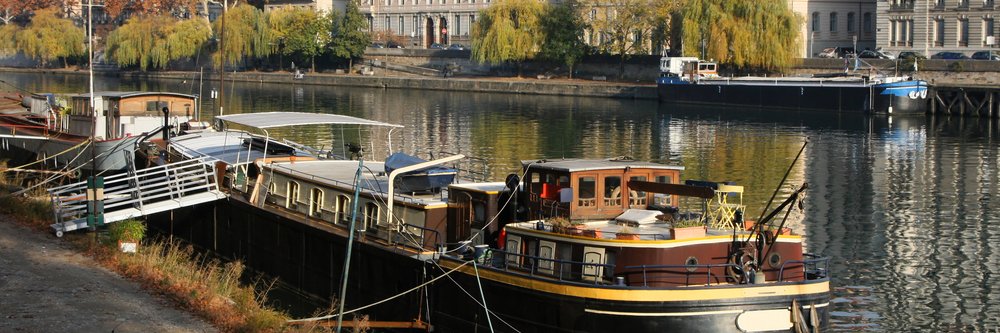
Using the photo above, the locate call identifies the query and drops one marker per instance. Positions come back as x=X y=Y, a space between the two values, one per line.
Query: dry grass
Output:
x=207 y=287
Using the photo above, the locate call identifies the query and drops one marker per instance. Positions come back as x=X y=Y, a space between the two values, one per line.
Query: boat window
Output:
x=342 y=209
x=563 y=181
x=155 y=105
x=513 y=249
x=315 y=202
x=371 y=215
x=478 y=214
x=660 y=199
x=637 y=198
x=586 y=192
x=292 y=195
x=612 y=190
x=546 y=255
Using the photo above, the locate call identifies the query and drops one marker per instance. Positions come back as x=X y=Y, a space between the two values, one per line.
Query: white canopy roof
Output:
x=283 y=119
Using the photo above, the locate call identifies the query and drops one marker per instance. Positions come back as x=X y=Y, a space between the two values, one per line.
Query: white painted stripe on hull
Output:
x=680 y=314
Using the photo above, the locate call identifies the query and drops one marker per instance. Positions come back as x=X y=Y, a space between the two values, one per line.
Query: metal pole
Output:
x=222 y=57
x=350 y=242
x=927 y=29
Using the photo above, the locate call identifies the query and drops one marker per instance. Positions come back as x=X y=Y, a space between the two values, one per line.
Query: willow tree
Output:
x=7 y=43
x=152 y=42
x=348 y=38
x=299 y=31
x=49 y=37
x=746 y=34
x=508 y=31
x=246 y=35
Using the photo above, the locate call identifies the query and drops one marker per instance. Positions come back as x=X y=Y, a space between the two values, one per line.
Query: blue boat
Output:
x=691 y=81
x=421 y=180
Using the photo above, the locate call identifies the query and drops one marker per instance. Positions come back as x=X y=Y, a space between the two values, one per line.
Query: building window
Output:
x=815 y=22
x=850 y=22
x=892 y=32
x=458 y=26
x=833 y=22
x=939 y=32
x=866 y=22
x=963 y=3
x=963 y=32
x=940 y=4
x=987 y=29
x=909 y=32
x=402 y=28
x=388 y=23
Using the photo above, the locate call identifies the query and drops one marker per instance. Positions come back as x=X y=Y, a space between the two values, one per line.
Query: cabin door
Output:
x=546 y=256
x=593 y=257
x=460 y=218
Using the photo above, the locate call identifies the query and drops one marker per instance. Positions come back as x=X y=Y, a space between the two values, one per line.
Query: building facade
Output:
x=835 y=23
x=420 y=23
x=931 y=26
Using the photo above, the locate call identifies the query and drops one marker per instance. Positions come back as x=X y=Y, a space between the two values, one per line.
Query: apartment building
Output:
x=836 y=23
x=931 y=26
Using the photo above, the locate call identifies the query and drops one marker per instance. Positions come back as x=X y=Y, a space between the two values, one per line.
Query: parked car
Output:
x=836 y=52
x=986 y=55
x=376 y=45
x=869 y=54
x=456 y=47
x=436 y=46
x=910 y=55
x=393 y=45
x=949 y=55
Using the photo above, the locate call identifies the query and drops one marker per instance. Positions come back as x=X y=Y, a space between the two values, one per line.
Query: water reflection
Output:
x=902 y=204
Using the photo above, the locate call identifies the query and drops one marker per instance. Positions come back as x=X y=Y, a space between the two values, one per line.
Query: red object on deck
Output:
x=550 y=191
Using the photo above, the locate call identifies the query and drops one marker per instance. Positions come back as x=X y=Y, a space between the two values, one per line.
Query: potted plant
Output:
x=626 y=233
x=559 y=224
x=690 y=228
x=127 y=234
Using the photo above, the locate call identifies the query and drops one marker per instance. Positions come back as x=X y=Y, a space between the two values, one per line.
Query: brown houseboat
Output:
x=567 y=245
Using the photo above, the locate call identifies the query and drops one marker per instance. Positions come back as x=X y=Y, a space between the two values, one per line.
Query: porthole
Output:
x=774 y=260
x=691 y=263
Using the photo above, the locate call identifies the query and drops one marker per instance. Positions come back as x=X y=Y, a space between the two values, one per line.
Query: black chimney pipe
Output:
x=166 y=122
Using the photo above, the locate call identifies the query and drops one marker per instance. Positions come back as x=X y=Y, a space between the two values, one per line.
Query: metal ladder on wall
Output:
x=138 y=193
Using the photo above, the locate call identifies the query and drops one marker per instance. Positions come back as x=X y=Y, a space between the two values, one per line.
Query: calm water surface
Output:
x=907 y=208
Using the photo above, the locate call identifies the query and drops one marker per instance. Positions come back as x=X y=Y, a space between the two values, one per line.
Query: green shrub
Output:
x=130 y=230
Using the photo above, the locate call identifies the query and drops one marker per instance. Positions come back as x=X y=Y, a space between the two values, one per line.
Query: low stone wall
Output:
x=514 y=86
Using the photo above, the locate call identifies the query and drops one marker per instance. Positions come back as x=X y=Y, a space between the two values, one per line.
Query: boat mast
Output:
x=222 y=57
x=93 y=105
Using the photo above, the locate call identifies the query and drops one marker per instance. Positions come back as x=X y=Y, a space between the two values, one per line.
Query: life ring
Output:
x=913 y=94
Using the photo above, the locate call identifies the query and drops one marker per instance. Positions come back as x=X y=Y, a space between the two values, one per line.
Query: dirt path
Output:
x=45 y=286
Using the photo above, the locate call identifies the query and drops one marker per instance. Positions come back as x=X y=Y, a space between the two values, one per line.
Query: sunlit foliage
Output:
x=152 y=42
x=115 y=8
x=746 y=34
x=508 y=31
x=49 y=37
x=301 y=31
x=10 y=9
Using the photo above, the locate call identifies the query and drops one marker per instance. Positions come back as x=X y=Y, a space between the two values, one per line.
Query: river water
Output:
x=902 y=205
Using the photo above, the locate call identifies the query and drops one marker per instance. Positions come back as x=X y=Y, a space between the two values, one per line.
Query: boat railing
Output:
x=814 y=267
x=471 y=168
x=562 y=270
x=315 y=178
x=13 y=128
x=422 y=234
x=683 y=274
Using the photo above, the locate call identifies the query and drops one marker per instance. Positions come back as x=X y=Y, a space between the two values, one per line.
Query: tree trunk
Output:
x=621 y=67
x=350 y=64
x=313 y=60
x=570 y=71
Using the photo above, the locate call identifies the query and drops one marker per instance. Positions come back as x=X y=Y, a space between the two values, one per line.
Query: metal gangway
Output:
x=138 y=193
